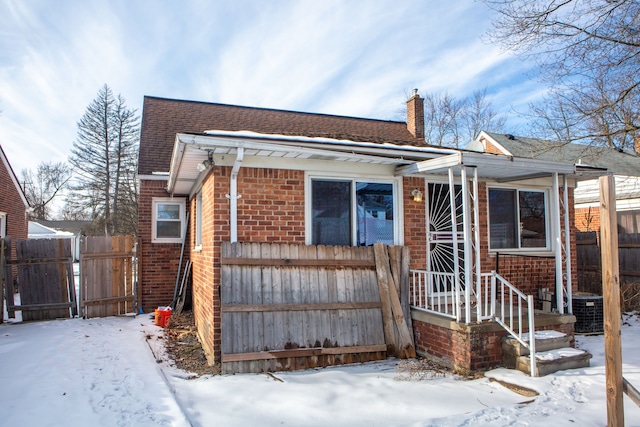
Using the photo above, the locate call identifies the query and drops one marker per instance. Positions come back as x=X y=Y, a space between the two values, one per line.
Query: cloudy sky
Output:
x=345 y=57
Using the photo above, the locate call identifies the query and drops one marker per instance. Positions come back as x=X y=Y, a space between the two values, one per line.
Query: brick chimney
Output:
x=415 y=115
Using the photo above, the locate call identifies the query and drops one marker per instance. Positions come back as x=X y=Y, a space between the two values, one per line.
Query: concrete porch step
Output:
x=545 y=341
x=548 y=362
x=553 y=353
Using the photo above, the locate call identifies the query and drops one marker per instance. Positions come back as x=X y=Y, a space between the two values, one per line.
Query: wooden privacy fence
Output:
x=42 y=272
x=590 y=266
x=294 y=307
x=108 y=274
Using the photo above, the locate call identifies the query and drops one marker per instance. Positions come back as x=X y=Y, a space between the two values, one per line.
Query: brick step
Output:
x=548 y=362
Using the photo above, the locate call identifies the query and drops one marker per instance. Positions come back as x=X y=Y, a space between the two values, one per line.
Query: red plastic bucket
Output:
x=163 y=316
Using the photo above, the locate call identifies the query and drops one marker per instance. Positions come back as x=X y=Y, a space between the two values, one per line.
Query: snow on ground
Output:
x=105 y=372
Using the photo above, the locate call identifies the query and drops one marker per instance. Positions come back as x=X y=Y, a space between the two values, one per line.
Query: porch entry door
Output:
x=445 y=239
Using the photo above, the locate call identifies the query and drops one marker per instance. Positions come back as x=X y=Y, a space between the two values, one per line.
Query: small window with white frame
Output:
x=168 y=220
x=518 y=219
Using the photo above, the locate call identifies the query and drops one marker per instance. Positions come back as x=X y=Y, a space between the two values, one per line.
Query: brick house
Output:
x=13 y=204
x=218 y=173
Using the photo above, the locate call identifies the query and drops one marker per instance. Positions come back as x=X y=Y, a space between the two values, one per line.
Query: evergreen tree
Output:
x=104 y=157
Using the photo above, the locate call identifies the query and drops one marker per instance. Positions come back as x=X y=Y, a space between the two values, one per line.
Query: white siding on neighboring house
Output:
x=587 y=193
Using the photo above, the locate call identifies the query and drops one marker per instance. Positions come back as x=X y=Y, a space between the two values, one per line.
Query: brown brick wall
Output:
x=158 y=261
x=206 y=298
x=492 y=149
x=472 y=347
x=11 y=203
x=588 y=219
x=415 y=222
x=271 y=208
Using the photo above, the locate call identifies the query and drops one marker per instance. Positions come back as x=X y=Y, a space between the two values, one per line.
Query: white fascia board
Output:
x=427 y=166
x=487 y=163
x=534 y=165
x=203 y=142
x=176 y=162
x=154 y=177
x=385 y=147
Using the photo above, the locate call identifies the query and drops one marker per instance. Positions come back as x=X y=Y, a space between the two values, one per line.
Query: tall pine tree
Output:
x=104 y=158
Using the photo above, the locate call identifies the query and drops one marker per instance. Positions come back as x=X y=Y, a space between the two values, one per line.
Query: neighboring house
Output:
x=72 y=230
x=624 y=165
x=13 y=204
x=221 y=173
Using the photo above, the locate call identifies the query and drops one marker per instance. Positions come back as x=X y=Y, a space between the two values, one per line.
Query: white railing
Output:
x=485 y=297
x=511 y=314
x=437 y=292
x=495 y=298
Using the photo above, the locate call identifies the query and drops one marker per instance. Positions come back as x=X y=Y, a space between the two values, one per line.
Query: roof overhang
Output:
x=497 y=167
x=190 y=150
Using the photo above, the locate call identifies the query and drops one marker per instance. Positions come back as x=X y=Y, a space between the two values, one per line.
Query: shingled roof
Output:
x=616 y=161
x=163 y=118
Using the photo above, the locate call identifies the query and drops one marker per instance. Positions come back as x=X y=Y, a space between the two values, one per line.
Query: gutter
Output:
x=233 y=196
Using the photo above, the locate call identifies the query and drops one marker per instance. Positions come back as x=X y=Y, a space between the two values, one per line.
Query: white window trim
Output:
x=550 y=232
x=3 y=225
x=198 y=221
x=398 y=209
x=154 y=219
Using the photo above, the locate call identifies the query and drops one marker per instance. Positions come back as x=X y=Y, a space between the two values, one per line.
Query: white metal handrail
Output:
x=512 y=299
x=496 y=299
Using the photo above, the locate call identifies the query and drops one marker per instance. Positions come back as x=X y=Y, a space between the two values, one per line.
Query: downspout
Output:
x=233 y=196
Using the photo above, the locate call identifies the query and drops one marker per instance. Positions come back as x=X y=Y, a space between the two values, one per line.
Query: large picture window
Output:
x=351 y=212
x=517 y=219
x=168 y=220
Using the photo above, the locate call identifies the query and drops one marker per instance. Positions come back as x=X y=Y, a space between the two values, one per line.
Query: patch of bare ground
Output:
x=185 y=351
x=183 y=346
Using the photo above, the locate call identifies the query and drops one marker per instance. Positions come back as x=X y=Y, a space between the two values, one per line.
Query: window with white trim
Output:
x=198 y=242
x=352 y=212
x=518 y=219
x=3 y=225
x=168 y=220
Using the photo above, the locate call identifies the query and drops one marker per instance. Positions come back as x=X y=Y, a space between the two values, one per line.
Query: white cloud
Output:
x=335 y=57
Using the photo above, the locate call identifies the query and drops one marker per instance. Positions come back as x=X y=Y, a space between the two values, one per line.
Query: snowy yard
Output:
x=103 y=372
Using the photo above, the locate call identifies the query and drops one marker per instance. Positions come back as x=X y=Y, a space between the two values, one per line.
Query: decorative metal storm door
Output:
x=445 y=243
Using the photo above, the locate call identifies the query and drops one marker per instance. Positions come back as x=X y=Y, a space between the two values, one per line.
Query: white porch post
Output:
x=468 y=242
x=567 y=244
x=454 y=238
x=557 y=247
x=481 y=310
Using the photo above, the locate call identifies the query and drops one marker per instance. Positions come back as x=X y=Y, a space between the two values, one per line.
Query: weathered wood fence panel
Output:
x=588 y=255
x=292 y=307
x=107 y=276
x=43 y=272
x=589 y=264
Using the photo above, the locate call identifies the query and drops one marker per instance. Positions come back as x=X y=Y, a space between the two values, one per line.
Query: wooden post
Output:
x=611 y=292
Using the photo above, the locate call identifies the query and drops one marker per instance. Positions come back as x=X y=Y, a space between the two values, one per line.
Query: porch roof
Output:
x=190 y=150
